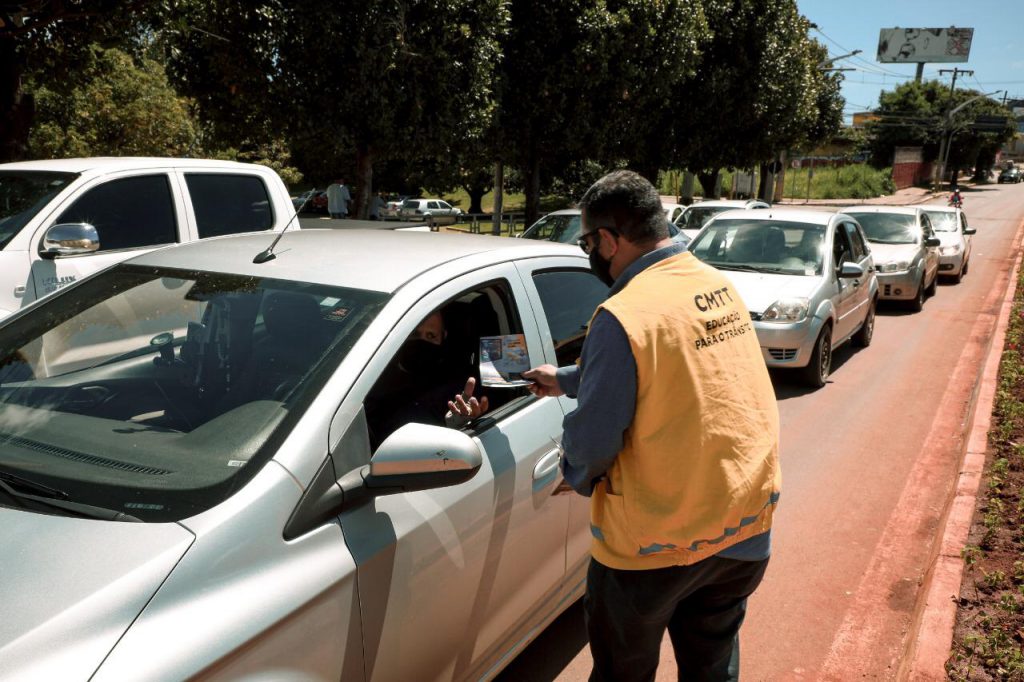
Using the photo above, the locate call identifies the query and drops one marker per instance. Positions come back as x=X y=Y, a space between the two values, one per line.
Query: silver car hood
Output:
x=887 y=253
x=760 y=289
x=72 y=586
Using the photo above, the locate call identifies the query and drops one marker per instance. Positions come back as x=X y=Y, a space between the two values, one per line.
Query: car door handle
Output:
x=546 y=465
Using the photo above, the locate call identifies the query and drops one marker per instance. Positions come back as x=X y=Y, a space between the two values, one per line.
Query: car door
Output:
x=219 y=204
x=931 y=253
x=565 y=294
x=861 y=298
x=132 y=214
x=446 y=210
x=847 y=289
x=968 y=239
x=450 y=580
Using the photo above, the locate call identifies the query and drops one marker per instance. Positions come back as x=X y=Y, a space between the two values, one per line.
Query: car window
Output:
x=129 y=213
x=963 y=220
x=432 y=366
x=696 y=217
x=926 y=226
x=782 y=247
x=841 y=249
x=158 y=392
x=411 y=203
x=569 y=299
x=23 y=194
x=942 y=221
x=432 y=204
x=229 y=204
x=887 y=228
x=444 y=204
x=562 y=228
x=853 y=239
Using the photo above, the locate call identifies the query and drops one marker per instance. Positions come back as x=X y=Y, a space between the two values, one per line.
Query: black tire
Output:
x=933 y=287
x=815 y=374
x=963 y=270
x=867 y=330
x=917 y=305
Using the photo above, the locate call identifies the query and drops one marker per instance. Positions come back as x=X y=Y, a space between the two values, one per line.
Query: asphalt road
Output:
x=869 y=462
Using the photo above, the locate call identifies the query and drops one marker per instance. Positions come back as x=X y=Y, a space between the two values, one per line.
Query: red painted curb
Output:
x=930 y=647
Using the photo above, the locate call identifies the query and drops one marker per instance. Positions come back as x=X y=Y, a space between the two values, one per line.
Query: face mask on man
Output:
x=602 y=267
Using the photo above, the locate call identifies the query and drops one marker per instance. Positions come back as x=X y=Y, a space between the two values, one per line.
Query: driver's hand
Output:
x=465 y=405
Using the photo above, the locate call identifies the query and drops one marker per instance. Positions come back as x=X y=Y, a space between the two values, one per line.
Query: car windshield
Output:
x=563 y=228
x=159 y=392
x=780 y=247
x=887 y=228
x=23 y=194
x=696 y=217
x=943 y=221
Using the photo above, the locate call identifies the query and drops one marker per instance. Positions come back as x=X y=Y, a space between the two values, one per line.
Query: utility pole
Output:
x=940 y=164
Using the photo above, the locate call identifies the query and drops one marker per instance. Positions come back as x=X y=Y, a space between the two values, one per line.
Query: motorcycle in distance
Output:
x=955 y=200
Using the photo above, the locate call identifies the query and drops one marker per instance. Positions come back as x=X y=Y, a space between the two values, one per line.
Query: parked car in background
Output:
x=673 y=211
x=806 y=277
x=200 y=437
x=697 y=215
x=1011 y=175
x=564 y=226
x=434 y=211
x=906 y=250
x=950 y=225
x=300 y=201
x=63 y=219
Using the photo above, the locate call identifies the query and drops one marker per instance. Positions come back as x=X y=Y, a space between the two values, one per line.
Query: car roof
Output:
x=379 y=260
x=565 y=211
x=789 y=214
x=900 y=210
x=724 y=202
x=115 y=163
x=940 y=209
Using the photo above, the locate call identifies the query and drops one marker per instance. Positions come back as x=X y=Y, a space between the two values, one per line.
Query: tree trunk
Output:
x=708 y=183
x=532 y=175
x=17 y=109
x=360 y=208
x=762 y=179
x=476 y=194
x=499 y=198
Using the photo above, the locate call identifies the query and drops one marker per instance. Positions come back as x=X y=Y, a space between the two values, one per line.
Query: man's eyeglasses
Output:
x=584 y=241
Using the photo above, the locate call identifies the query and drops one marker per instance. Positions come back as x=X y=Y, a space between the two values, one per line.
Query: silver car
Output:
x=204 y=472
x=697 y=215
x=906 y=251
x=806 y=277
x=432 y=211
x=564 y=226
x=950 y=225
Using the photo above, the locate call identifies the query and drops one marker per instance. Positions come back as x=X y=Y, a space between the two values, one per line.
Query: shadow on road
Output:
x=786 y=381
x=549 y=654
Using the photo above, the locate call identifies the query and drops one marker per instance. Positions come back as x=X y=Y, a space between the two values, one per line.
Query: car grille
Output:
x=782 y=353
x=887 y=290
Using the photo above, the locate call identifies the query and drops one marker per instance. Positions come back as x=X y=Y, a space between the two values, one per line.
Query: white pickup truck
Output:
x=63 y=219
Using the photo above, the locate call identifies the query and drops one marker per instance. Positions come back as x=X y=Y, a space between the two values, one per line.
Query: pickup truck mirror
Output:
x=70 y=239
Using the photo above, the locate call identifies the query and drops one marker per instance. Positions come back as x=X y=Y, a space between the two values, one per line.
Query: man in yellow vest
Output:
x=674 y=439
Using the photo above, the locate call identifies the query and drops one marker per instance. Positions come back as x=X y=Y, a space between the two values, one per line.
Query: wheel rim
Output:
x=825 y=363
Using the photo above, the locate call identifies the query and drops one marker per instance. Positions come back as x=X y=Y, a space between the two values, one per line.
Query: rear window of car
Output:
x=411 y=203
x=229 y=204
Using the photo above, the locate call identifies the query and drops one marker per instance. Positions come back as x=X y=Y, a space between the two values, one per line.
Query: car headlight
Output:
x=949 y=250
x=786 y=310
x=894 y=266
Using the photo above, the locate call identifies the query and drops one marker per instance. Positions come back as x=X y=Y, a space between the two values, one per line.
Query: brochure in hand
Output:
x=503 y=359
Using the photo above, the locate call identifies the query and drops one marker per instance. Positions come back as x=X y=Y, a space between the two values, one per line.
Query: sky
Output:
x=996 y=57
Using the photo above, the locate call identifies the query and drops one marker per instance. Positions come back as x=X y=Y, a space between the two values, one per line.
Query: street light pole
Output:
x=944 y=145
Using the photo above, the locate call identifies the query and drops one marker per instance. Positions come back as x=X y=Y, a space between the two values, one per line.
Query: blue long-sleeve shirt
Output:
x=604 y=385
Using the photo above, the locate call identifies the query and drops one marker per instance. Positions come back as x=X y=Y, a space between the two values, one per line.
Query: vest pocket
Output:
x=608 y=522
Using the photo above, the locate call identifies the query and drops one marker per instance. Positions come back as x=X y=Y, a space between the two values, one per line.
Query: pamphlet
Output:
x=503 y=359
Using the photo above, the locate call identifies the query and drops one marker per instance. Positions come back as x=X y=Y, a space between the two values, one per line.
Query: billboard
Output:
x=911 y=45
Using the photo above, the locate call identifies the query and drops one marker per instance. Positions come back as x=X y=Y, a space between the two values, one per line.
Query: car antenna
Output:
x=268 y=254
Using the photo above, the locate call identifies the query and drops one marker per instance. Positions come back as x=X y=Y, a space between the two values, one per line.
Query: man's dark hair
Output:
x=627 y=203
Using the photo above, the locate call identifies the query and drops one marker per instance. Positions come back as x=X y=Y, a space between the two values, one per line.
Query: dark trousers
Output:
x=701 y=605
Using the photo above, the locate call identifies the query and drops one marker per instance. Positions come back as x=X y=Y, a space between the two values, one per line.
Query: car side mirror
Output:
x=851 y=271
x=70 y=239
x=970 y=230
x=932 y=241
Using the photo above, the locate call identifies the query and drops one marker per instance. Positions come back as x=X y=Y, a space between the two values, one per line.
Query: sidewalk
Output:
x=902 y=197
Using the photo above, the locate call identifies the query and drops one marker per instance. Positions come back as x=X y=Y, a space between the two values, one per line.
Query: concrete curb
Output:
x=931 y=646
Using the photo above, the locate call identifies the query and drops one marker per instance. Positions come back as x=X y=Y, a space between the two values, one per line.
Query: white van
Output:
x=63 y=219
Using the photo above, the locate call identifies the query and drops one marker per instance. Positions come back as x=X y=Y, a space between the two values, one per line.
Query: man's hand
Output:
x=545 y=384
x=465 y=405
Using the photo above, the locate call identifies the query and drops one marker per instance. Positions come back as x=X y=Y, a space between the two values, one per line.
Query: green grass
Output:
x=512 y=202
x=846 y=182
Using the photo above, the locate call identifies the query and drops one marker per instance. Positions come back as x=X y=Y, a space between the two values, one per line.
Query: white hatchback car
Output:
x=806 y=277
x=432 y=211
x=697 y=215
x=203 y=473
x=950 y=225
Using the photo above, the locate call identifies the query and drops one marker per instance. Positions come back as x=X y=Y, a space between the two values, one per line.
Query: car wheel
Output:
x=867 y=330
x=917 y=305
x=815 y=374
x=963 y=270
x=933 y=286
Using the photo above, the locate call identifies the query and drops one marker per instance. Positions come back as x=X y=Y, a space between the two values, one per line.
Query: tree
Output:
x=382 y=78
x=117 y=106
x=51 y=39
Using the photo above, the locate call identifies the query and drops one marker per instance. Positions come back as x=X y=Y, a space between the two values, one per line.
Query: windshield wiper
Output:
x=735 y=266
x=77 y=508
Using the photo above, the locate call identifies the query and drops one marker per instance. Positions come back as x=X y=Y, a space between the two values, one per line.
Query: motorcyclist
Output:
x=955 y=199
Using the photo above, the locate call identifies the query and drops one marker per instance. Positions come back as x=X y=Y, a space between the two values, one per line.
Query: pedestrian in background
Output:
x=338 y=197
x=674 y=439
x=377 y=204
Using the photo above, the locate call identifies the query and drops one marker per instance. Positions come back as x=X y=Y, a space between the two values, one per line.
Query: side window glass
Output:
x=434 y=363
x=443 y=204
x=569 y=299
x=229 y=204
x=856 y=244
x=129 y=213
x=963 y=221
x=926 y=226
x=432 y=204
x=841 y=250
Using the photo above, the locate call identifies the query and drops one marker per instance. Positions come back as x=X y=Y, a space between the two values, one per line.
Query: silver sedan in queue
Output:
x=807 y=278
x=950 y=225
